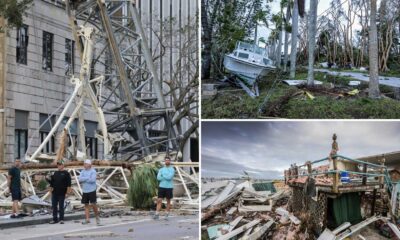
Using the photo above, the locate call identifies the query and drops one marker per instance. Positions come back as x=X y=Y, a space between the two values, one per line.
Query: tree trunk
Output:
x=293 y=50
x=373 y=54
x=206 y=40
x=279 y=50
x=312 y=31
x=286 y=47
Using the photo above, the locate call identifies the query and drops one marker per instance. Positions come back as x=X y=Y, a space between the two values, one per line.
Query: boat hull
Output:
x=249 y=71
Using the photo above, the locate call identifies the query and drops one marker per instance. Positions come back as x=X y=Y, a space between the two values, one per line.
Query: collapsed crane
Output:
x=128 y=100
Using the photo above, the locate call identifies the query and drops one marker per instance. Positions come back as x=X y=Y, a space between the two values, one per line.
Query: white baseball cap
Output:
x=88 y=161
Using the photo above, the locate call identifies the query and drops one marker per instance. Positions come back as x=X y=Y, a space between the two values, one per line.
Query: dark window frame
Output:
x=22 y=45
x=50 y=145
x=47 y=51
x=18 y=135
x=69 y=57
x=91 y=147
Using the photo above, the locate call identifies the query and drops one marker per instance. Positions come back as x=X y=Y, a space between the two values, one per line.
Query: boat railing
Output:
x=251 y=48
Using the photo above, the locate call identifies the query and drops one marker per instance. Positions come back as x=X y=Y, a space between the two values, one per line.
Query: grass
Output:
x=290 y=102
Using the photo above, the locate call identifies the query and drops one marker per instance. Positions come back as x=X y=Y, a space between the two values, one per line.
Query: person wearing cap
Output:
x=165 y=176
x=87 y=178
x=14 y=185
x=60 y=186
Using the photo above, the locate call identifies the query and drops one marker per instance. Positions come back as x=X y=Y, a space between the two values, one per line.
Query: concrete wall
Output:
x=30 y=88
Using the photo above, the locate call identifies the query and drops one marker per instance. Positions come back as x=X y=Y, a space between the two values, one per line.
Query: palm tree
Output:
x=373 y=54
x=295 y=29
x=288 y=4
x=312 y=31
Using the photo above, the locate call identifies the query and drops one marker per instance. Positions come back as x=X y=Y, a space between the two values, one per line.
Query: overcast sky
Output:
x=323 y=6
x=265 y=149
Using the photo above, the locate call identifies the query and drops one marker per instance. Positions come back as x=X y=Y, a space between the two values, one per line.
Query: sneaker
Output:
x=61 y=222
x=13 y=216
x=85 y=222
x=53 y=222
x=98 y=221
x=156 y=216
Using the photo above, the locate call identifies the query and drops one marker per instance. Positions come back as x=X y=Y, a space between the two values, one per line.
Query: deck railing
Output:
x=368 y=170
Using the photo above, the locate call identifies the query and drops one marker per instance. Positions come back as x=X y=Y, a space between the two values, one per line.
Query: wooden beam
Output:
x=239 y=230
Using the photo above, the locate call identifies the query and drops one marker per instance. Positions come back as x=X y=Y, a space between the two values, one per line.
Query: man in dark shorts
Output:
x=165 y=176
x=60 y=185
x=87 y=178
x=14 y=185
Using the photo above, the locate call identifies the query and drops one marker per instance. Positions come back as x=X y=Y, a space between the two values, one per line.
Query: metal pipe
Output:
x=59 y=120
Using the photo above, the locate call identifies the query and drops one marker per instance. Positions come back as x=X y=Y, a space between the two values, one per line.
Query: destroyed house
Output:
x=337 y=190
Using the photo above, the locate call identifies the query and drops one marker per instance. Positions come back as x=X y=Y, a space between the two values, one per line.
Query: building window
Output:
x=21 y=134
x=50 y=145
x=90 y=139
x=22 y=44
x=46 y=124
x=47 y=57
x=91 y=147
x=69 y=56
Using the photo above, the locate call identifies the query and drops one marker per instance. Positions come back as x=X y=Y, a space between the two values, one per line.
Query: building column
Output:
x=3 y=64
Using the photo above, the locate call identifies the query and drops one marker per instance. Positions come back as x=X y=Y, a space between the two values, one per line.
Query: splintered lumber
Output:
x=235 y=222
x=341 y=228
x=224 y=194
x=239 y=230
x=327 y=235
x=247 y=233
x=355 y=228
x=255 y=208
x=259 y=231
x=395 y=229
x=214 y=209
x=231 y=211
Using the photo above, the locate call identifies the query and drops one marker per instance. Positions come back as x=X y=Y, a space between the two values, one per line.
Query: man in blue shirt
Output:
x=165 y=176
x=87 y=179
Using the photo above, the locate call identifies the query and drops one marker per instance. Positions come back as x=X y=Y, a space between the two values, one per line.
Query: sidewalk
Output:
x=388 y=81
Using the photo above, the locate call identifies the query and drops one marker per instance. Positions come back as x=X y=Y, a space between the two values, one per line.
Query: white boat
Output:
x=249 y=62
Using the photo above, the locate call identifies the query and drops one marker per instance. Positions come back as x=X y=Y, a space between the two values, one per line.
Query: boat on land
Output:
x=248 y=62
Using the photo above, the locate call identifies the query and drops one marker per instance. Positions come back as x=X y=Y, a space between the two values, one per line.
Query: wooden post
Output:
x=364 y=179
x=309 y=169
x=336 y=175
x=382 y=178
x=373 y=203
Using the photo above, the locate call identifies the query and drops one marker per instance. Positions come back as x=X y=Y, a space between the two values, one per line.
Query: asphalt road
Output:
x=126 y=227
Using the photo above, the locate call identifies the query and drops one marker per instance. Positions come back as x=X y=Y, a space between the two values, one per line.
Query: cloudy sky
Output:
x=323 y=9
x=265 y=149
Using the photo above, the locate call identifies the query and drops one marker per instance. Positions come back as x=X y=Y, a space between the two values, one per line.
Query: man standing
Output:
x=60 y=185
x=165 y=176
x=14 y=185
x=87 y=178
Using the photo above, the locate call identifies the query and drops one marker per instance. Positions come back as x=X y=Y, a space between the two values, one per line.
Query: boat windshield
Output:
x=243 y=55
x=266 y=61
x=251 y=48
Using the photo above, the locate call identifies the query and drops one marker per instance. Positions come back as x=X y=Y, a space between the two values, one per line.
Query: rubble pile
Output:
x=231 y=209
